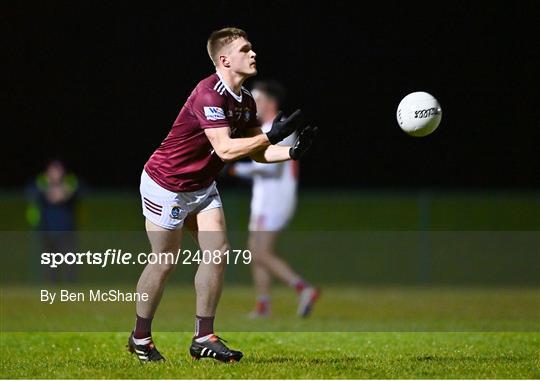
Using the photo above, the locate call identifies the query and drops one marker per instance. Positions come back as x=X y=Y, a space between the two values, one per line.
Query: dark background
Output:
x=99 y=86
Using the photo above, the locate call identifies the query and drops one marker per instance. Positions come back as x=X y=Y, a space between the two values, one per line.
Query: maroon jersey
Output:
x=185 y=161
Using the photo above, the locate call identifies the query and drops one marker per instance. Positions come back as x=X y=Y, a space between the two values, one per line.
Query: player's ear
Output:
x=225 y=61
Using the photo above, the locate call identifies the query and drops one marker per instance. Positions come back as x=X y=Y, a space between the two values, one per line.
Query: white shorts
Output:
x=272 y=208
x=268 y=222
x=170 y=209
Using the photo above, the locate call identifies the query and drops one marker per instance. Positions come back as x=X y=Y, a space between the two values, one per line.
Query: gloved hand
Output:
x=303 y=142
x=283 y=128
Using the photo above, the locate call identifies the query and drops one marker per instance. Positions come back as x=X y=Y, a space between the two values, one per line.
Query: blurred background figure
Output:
x=53 y=197
x=273 y=204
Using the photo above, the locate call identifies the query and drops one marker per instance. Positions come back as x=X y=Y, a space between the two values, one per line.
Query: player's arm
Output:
x=271 y=153
x=276 y=153
x=209 y=107
x=229 y=149
x=281 y=128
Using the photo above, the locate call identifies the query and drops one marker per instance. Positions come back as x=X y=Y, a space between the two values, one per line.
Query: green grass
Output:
x=356 y=331
x=280 y=355
x=342 y=309
x=384 y=332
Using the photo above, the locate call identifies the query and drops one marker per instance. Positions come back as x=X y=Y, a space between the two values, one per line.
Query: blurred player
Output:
x=217 y=124
x=272 y=205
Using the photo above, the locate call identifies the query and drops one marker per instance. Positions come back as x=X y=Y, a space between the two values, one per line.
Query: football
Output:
x=419 y=114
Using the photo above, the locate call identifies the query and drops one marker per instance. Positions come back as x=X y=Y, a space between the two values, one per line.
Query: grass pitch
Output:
x=279 y=355
x=274 y=352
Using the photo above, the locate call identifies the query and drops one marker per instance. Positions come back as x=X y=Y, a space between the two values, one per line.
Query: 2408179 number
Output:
x=216 y=257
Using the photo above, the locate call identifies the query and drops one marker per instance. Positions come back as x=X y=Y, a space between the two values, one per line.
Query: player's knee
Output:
x=163 y=270
x=254 y=243
x=259 y=256
x=220 y=267
x=224 y=253
x=222 y=246
x=258 y=248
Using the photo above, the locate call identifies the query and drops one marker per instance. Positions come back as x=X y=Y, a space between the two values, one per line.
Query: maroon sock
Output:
x=143 y=328
x=204 y=325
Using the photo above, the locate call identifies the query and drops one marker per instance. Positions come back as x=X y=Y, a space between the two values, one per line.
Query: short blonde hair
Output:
x=220 y=38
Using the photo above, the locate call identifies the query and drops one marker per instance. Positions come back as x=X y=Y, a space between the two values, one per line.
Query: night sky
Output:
x=100 y=85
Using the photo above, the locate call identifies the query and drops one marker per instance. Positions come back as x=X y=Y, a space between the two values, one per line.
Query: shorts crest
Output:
x=175 y=211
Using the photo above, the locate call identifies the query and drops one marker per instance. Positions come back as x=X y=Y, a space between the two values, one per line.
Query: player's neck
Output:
x=233 y=80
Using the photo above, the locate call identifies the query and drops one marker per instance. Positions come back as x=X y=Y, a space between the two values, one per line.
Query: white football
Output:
x=419 y=114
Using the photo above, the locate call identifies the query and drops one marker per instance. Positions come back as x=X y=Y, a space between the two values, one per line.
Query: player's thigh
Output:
x=211 y=220
x=163 y=240
x=209 y=228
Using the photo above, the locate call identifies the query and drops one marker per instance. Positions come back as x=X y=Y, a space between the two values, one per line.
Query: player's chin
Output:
x=252 y=70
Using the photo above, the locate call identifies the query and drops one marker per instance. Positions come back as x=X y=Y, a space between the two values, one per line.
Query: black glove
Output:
x=303 y=142
x=283 y=128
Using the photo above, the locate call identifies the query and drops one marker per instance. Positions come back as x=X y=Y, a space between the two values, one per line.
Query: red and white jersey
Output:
x=185 y=161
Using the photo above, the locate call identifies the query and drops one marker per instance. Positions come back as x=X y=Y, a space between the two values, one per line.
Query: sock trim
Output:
x=204 y=338
x=145 y=341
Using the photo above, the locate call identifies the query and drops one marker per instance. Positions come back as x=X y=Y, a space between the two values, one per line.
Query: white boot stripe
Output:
x=204 y=350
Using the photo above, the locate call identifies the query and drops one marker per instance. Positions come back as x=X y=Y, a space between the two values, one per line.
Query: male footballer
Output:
x=217 y=124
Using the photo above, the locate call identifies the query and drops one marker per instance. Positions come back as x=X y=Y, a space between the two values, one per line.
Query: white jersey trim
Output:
x=219 y=87
x=237 y=97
